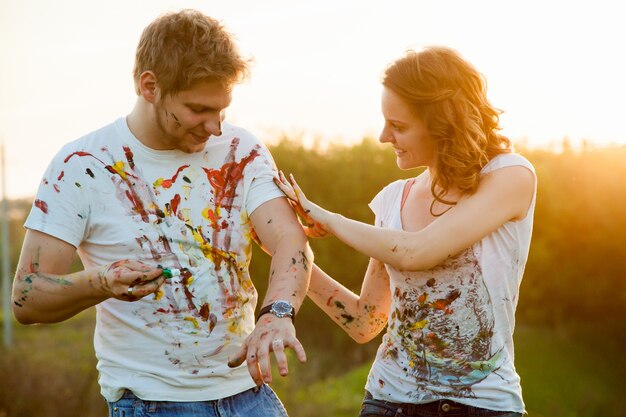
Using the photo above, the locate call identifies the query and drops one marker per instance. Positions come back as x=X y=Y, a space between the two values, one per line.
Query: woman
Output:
x=447 y=251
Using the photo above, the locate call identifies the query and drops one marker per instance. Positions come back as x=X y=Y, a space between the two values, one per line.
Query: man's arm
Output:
x=281 y=234
x=44 y=292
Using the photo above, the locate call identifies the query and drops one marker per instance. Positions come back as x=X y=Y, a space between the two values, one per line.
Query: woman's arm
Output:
x=362 y=317
x=503 y=195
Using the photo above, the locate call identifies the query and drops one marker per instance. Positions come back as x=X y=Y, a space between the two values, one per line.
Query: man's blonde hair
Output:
x=450 y=97
x=185 y=47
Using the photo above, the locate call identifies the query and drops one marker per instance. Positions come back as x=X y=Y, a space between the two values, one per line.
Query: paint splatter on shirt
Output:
x=170 y=208
x=450 y=328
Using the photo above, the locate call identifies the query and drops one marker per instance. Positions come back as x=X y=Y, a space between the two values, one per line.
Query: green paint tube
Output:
x=171 y=272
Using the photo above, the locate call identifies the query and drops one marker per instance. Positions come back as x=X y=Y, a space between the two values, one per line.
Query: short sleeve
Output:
x=262 y=186
x=60 y=208
x=507 y=160
x=376 y=205
x=384 y=202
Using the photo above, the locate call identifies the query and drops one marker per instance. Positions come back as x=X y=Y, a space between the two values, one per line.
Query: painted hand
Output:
x=271 y=334
x=311 y=215
x=130 y=280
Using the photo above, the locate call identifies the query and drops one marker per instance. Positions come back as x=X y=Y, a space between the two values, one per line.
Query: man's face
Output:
x=187 y=120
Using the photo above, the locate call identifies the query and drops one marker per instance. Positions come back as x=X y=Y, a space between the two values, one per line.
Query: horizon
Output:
x=554 y=148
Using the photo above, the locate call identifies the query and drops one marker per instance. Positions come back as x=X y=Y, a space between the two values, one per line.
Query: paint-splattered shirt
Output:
x=450 y=329
x=114 y=198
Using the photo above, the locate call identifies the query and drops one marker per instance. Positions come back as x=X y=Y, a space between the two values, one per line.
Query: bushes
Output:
x=575 y=274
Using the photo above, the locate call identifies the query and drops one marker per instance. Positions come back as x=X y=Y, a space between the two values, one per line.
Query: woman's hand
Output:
x=313 y=217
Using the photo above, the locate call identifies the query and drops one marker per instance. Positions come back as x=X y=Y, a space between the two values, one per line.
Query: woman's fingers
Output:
x=285 y=186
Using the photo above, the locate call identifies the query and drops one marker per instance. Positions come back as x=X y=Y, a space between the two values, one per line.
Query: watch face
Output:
x=282 y=308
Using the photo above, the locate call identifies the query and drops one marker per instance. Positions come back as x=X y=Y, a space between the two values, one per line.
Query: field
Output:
x=50 y=372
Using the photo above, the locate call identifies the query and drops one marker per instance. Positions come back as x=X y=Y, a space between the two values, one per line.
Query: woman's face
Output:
x=406 y=132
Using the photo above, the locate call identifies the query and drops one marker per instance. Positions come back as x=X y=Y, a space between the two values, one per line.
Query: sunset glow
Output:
x=555 y=68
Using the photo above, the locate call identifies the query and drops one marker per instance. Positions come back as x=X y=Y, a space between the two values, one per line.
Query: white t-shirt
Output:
x=114 y=198
x=450 y=328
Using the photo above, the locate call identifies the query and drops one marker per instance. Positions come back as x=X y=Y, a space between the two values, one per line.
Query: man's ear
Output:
x=148 y=86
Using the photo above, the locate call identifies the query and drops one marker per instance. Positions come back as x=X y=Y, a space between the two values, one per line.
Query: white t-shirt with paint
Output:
x=114 y=198
x=450 y=328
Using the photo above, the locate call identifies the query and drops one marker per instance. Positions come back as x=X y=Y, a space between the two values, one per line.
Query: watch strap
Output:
x=268 y=309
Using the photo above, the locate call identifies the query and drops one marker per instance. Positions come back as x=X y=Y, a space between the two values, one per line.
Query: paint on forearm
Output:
x=28 y=281
x=330 y=299
x=347 y=318
x=305 y=260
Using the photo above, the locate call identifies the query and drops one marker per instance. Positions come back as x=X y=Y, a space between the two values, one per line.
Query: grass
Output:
x=575 y=373
x=571 y=374
x=50 y=371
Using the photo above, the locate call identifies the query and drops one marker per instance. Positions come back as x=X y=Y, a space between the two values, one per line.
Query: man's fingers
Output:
x=299 y=349
x=144 y=277
x=278 y=346
x=239 y=357
x=265 y=363
x=145 y=288
x=252 y=361
x=135 y=265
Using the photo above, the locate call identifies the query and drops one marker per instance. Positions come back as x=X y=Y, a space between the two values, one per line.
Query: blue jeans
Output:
x=441 y=408
x=255 y=402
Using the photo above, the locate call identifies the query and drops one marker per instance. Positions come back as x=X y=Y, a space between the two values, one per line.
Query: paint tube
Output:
x=171 y=272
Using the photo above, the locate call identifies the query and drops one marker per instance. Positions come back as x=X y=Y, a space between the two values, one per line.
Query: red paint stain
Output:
x=33 y=267
x=171 y=181
x=205 y=310
x=225 y=182
x=56 y=188
x=42 y=205
x=174 y=202
x=131 y=194
x=137 y=203
x=227 y=178
x=79 y=153
x=61 y=175
x=129 y=157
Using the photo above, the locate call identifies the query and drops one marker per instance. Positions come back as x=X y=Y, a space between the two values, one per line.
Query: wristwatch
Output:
x=279 y=308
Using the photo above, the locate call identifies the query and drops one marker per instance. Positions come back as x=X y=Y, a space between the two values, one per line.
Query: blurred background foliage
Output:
x=570 y=334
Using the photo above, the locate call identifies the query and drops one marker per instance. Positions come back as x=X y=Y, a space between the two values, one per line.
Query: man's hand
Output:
x=130 y=280
x=271 y=334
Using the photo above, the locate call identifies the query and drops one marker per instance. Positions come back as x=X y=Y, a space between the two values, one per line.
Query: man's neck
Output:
x=142 y=124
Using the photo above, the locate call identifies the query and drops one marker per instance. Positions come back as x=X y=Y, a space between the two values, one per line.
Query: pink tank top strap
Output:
x=405 y=192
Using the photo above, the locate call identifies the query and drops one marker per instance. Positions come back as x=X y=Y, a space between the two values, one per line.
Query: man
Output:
x=170 y=188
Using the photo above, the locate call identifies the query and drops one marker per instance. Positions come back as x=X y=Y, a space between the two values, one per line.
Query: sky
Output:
x=555 y=67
